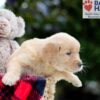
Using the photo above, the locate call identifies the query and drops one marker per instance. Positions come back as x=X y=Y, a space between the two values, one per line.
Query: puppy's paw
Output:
x=10 y=79
x=76 y=82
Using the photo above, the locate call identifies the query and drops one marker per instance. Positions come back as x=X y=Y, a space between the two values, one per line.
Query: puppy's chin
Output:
x=76 y=70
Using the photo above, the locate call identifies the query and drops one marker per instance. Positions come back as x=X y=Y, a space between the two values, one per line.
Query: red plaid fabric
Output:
x=28 y=88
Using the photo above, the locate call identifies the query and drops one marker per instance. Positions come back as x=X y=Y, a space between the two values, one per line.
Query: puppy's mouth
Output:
x=75 y=70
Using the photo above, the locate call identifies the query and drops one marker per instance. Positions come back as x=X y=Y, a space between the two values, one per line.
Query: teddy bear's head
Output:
x=10 y=25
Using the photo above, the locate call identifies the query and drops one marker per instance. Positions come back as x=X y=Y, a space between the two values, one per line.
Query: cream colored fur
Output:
x=55 y=58
x=11 y=27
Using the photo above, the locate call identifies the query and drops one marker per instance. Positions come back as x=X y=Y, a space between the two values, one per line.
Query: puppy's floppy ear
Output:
x=50 y=51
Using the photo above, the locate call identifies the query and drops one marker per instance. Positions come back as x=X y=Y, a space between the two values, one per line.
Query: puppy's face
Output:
x=68 y=57
x=62 y=52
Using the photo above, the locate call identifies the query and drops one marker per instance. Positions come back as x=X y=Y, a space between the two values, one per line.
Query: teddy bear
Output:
x=10 y=28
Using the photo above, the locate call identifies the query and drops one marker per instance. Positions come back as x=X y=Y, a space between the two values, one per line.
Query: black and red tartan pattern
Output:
x=28 y=88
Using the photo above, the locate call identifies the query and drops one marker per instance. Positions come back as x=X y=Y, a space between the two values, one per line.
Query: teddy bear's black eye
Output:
x=68 y=53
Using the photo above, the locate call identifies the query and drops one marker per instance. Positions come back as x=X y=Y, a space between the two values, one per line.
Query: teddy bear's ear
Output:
x=21 y=26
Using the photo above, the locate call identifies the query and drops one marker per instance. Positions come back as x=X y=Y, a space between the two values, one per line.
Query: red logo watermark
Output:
x=88 y=5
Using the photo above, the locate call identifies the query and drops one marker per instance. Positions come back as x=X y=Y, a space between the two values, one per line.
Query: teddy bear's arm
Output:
x=14 y=45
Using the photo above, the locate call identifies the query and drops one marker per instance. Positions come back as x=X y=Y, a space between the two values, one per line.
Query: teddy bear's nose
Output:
x=3 y=22
x=5 y=27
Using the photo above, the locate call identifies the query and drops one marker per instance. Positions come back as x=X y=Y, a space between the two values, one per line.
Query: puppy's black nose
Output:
x=79 y=64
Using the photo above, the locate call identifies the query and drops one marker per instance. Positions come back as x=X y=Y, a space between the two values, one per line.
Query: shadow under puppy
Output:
x=55 y=58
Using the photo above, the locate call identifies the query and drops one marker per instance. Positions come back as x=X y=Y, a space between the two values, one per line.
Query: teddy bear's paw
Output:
x=76 y=82
x=10 y=79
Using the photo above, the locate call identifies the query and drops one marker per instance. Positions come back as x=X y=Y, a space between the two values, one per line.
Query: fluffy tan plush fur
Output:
x=11 y=27
x=55 y=58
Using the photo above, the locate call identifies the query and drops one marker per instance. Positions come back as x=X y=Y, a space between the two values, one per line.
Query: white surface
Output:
x=2 y=3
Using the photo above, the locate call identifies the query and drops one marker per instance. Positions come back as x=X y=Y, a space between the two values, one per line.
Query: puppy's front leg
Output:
x=72 y=78
x=68 y=76
x=13 y=73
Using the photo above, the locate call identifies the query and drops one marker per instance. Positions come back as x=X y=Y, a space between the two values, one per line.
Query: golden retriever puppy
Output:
x=55 y=58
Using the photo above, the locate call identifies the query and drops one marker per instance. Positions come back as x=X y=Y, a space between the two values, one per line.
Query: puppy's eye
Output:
x=59 y=48
x=68 y=53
